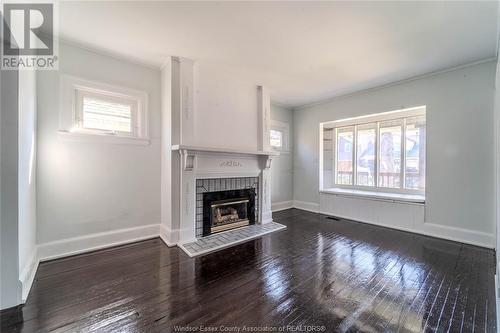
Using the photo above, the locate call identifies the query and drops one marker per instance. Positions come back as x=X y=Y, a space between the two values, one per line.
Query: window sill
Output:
x=394 y=197
x=101 y=138
x=282 y=151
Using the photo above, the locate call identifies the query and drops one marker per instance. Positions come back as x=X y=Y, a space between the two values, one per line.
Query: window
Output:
x=276 y=138
x=344 y=155
x=279 y=135
x=382 y=152
x=415 y=153
x=389 y=154
x=365 y=157
x=103 y=110
x=104 y=113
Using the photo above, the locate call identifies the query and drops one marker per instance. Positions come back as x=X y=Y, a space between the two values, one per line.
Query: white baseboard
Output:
x=309 y=206
x=27 y=275
x=168 y=236
x=277 y=206
x=466 y=236
x=77 y=245
x=435 y=230
x=497 y=299
x=458 y=234
x=401 y=216
x=267 y=217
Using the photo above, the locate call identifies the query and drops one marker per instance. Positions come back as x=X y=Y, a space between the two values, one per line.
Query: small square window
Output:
x=276 y=138
x=103 y=111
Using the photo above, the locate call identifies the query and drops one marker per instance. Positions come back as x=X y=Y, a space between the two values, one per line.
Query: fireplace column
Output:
x=187 y=230
x=265 y=212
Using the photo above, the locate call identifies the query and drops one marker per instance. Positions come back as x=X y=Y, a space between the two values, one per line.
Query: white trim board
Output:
x=374 y=195
x=437 y=231
x=168 y=236
x=308 y=206
x=461 y=235
x=402 y=216
x=497 y=300
x=27 y=275
x=152 y=65
x=355 y=92
x=100 y=138
x=77 y=245
x=278 y=206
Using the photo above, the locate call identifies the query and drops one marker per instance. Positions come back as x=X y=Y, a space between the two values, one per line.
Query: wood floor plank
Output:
x=342 y=275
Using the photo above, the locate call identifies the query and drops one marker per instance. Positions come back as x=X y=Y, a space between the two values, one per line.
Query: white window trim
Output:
x=71 y=91
x=390 y=115
x=285 y=129
x=360 y=190
x=81 y=136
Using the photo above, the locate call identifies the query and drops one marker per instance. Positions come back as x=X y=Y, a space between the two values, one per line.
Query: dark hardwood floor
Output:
x=335 y=275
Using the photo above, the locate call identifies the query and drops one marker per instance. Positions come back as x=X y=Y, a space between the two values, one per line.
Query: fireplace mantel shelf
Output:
x=225 y=150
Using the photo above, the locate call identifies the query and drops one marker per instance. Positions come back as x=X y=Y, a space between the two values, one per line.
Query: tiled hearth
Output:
x=229 y=238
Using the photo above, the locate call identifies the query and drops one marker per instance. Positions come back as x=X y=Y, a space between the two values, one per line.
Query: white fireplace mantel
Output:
x=224 y=150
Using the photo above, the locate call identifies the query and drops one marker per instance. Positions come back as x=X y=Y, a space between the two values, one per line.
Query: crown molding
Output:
x=118 y=56
x=281 y=105
x=391 y=84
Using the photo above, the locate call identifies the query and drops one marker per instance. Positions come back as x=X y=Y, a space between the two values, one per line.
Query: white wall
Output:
x=10 y=289
x=226 y=111
x=27 y=177
x=497 y=157
x=460 y=165
x=86 y=188
x=282 y=166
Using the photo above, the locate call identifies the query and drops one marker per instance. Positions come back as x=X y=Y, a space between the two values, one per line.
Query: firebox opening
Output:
x=229 y=214
x=225 y=210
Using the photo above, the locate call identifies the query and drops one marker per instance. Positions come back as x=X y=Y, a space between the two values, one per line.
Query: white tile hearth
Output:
x=229 y=238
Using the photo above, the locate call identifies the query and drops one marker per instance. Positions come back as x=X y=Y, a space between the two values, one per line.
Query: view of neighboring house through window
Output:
x=415 y=153
x=389 y=174
x=365 y=158
x=344 y=157
x=381 y=152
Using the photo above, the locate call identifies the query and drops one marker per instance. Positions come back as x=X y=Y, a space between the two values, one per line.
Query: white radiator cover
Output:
x=404 y=216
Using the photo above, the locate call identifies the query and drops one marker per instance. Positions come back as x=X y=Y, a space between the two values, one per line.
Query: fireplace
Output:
x=226 y=210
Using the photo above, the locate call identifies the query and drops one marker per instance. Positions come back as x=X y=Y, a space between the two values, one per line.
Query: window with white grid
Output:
x=381 y=152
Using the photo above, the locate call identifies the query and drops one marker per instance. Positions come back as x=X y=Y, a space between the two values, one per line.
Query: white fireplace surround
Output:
x=192 y=140
x=216 y=163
